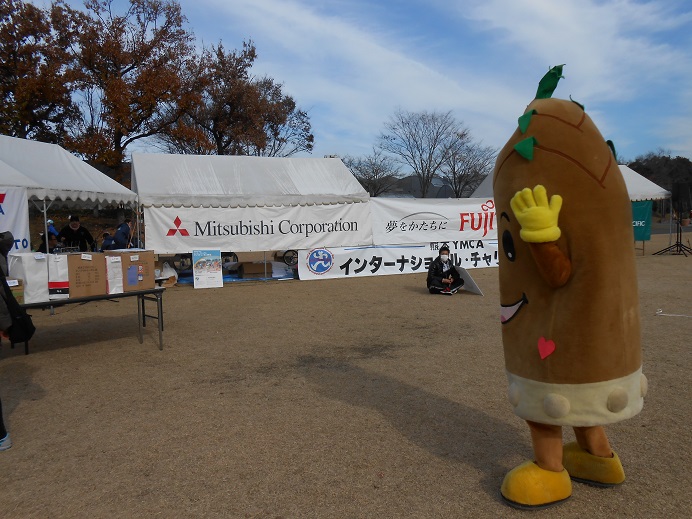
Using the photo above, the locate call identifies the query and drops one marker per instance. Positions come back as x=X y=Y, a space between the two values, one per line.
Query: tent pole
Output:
x=670 y=224
x=138 y=220
x=45 y=237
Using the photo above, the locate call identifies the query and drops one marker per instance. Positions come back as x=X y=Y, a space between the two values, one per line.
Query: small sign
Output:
x=206 y=269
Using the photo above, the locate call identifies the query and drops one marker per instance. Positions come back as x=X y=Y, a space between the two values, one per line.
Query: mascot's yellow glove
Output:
x=537 y=217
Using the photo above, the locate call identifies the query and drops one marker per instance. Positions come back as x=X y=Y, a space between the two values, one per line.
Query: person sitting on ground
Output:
x=123 y=234
x=52 y=243
x=74 y=235
x=443 y=278
x=108 y=242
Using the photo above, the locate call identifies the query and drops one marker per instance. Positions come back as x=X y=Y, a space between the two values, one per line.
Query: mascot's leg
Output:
x=540 y=483
x=591 y=460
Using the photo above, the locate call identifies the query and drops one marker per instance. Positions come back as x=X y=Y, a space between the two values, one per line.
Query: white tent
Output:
x=241 y=204
x=240 y=181
x=638 y=187
x=51 y=175
x=10 y=177
x=58 y=175
x=641 y=188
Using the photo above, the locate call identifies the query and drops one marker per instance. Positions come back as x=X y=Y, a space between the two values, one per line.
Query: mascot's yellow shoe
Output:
x=528 y=486
x=593 y=470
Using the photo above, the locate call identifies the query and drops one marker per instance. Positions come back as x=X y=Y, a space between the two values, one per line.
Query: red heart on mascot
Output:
x=545 y=347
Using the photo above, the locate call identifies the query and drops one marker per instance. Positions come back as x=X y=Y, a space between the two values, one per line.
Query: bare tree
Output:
x=423 y=141
x=467 y=165
x=376 y=173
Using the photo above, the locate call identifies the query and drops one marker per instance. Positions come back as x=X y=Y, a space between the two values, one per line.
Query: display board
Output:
x=206 y=269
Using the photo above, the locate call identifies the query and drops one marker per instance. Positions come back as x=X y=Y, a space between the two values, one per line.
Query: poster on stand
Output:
x=206 y=269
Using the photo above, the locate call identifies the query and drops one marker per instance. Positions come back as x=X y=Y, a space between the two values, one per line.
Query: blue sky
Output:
x=351 y=63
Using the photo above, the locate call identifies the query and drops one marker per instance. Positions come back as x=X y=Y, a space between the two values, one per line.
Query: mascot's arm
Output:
x=538 y=220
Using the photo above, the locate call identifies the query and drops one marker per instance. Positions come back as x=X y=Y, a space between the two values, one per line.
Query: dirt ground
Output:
x=356 y=398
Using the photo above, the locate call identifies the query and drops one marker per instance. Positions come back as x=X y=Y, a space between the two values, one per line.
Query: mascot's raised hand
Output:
x=537 y=216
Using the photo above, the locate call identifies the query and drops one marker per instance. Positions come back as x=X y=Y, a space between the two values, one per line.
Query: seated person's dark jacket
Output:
x=108 y=243
x=121 y=240
x=436 y=273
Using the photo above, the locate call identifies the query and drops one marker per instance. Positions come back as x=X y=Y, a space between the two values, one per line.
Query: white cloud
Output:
x=351 y=65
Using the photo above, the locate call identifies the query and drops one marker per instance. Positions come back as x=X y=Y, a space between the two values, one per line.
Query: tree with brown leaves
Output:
x=35 y=100
x=132 y=72
x=237 y=114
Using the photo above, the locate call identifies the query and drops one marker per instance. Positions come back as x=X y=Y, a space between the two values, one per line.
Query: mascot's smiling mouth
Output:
x=508 y=312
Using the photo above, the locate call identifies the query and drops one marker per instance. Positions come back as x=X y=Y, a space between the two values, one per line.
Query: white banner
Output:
x=423 y=220
x=243 y=229
x=14 y=216
x=350 y=262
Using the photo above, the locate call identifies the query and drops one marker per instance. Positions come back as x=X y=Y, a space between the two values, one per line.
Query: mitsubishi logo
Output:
x=177 y=222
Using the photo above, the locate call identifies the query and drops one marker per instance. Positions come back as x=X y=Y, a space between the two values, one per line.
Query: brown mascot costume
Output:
x=568 y=290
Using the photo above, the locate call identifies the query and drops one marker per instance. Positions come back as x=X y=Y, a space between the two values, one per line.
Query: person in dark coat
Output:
x=123 y=235
x=74 y=235
x=443 y=278
x=6 y=244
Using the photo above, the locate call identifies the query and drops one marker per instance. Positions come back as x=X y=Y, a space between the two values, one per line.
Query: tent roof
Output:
x=641 y=188
x=59 y=175
x=233 y=181
x=10 y=177
x=638 y=187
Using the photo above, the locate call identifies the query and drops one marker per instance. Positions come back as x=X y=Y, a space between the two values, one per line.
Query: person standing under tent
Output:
x=74 y=235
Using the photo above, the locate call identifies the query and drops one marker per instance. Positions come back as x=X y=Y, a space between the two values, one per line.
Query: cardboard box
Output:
x=138 y=268
x=87 y=274
x=254 y=270
x=17 y=288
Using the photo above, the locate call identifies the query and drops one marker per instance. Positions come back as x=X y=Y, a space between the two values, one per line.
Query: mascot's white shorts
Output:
x=578 y=405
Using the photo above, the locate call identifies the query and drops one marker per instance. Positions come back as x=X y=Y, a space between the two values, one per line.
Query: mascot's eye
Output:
x=508 y=245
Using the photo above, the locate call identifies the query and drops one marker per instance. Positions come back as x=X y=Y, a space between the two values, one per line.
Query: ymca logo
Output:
x=177 y=228
x=320 y=261
x=2 y=201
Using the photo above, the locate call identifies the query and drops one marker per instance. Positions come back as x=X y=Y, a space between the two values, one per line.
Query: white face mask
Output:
x=444 y=257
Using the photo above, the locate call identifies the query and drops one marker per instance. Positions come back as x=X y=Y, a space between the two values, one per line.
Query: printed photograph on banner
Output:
x=206 y=269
